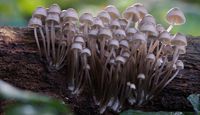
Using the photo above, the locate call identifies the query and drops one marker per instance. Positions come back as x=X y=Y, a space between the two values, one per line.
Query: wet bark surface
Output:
x=20 y=65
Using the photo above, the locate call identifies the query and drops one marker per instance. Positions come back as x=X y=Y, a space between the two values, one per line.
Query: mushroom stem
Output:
x=37 y=41
x=129 y=23
x=160 y=50
x=44 y=43
x=53 y=41
x=170 y=28
x=48 y=39
x=102 y=45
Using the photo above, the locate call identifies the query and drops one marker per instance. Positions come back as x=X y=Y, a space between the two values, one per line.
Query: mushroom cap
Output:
x=62 y=43
x=165 y=37
x=70 y=15
x=119 y=34
x=132 y=86
x=151 y=57
x=179 y=64
x=120 y=60
x=113 y=11
x=76 y=46
x=53 y=17
x=181 y=49
x=40 y=12
x=35 y=22
x=62 y=15
x=141 y=9
x=115 y=24
x=97 y=23
x=79 y=39
x=131 y=31
x=112 y=61
x=93 y=33
x=148 y=18
x=86 y=51
x=123 y=23
x=160 y=28
x=105 y=33
x=148 y=28
x=54 y=8
x=69 y=28
x=104 y=16
x=131 y=13
x=175 y=17
x=168 y=50
x=124 y=44
x=179 y=40
x=140 y=38
x=159 y=62
x=126 y=54
x=86 y=18
x=114 y=43
x=141 y=76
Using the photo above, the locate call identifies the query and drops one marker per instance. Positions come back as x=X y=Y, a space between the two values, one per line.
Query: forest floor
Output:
x=21 y=66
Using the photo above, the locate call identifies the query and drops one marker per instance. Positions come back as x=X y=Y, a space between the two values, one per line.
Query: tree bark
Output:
x=20 y=65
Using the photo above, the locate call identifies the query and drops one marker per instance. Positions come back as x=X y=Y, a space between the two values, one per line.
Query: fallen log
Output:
x=21 y=66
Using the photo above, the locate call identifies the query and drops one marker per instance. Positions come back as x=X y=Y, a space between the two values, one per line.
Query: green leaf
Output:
x=28 y=100
x=195 y=101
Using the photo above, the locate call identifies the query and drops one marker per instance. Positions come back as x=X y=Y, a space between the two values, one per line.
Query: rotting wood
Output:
x=172 y=98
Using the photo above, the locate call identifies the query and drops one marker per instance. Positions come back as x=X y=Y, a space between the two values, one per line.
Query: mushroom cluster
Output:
x=122 y=58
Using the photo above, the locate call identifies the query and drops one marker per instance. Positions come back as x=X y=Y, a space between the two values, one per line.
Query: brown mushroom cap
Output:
x=40 y=12
x=160 y=28
x=124 y=43
x=179 y=40
x=181 y=49
x=53 y=17
x=86 y=51
x=70 y=15
x=86 y=18
x=120 y=60
x=139 y=37
x=123 y=23
x=35 y=22
x=179 y=64
x=175 y=17
x=119 y=34
x=114 y=43
x=148 y=28
x=165 y=37
x=113 y=11
x=131 y=13
x=104 y=16
x=105 y=33
x=54 y=8
x=141 y=9
x=141 y=76
x=148 y=18
x=115 y=24
x=97 y=23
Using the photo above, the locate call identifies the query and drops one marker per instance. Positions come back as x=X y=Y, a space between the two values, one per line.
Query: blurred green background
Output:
x=18 y=12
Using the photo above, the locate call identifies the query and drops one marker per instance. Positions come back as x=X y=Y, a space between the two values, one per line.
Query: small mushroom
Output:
x=131 y=14
x=105 y=17
x=113 y=11
x=87 y=20
x=175 y=17
x=36 y=23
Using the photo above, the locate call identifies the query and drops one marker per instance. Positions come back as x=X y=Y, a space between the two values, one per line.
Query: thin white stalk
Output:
x=48 y=39
x=53 y=41
x=37 y=41
x=44 y=43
